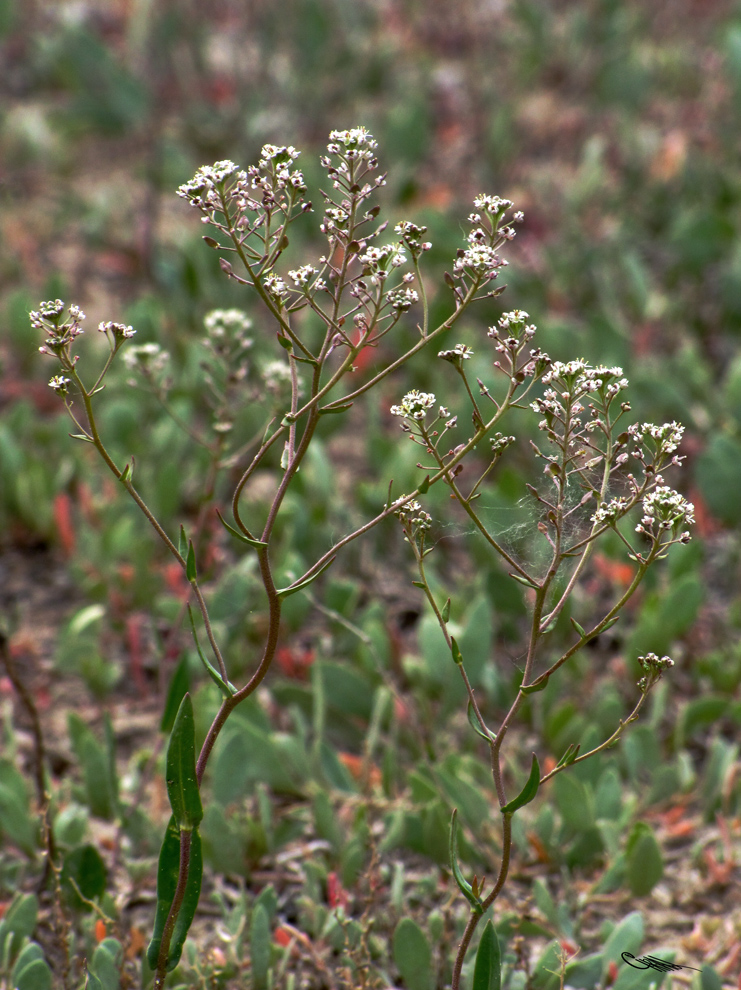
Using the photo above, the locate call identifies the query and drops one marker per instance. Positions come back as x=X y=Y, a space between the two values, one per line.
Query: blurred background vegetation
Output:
x=614 y=125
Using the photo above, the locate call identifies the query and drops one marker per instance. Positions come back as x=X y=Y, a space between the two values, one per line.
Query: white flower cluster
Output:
x=568 y=371
x=47 y=318
x=202 y=189
x=492 y=204
x=499 y=443
x=301 y=276
x=413 y=513
x=119 y=330
x=378 y=261
x=357 y=143
x=402 y=299
x=414 y=405
x=59 y=383
x=664 y=509
x=478 y=259
x=461 y=352
x=275 y=287
x=514 y=323
x=610 y=512
x=608 y=381
x=336 y=218
x=226 y=322
x=412 y=236
x=654 y=667
x=275 y=161
x=666 y=437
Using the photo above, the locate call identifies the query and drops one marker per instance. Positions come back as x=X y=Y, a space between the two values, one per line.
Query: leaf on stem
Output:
x=446 y=611
x=183 y=543
x=423 y=488
x=190 y=901
x=327 y=410
x=463 y=885
x=293 y=588
x=239 y=536
x=528 y=792
x=539 y=685
x=285 y=342
x=455 y=650
x=190 y=563
x=476 y=725
x=580 y=629
x=167 y=880
x=227 y=688
x=182 y=785
x=570 y=755
x=526 y=581
x=487 y=972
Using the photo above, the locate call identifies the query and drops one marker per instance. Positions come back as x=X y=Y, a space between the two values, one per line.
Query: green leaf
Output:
x=92 y=982
x=95 y=764
x=644 y=862
x=285 y=342
x=228 y=688
x=539 y=685
x=35 y=976
x=412 y=955
x=187 y=911
x=475 y=725
x=292 y=589
x=526 y=581
x=424 y=487
x=457 y=658
x=167 y=880
x=709 y=979
x=237 y=534
x=106 y=963
x=190 y=563
x=487 y=972
x=463 y=885
x=183 y=543
x=328 y=410
x=445 y=614
x=626 y=936
x=580 y=629
x=179 y=685
x=182 y=786
x=16 y=822
x=83 y=870
x=259 y=948
x=528 y=792
x=570 y=755
x=19 y=922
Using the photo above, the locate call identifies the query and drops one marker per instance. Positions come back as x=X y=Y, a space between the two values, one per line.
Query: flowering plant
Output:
x=357 y=292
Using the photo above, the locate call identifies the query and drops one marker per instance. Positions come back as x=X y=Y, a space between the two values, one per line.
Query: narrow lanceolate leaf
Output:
x=183 y=543
x=446 y=611
x=292 y=589
x=424 y=487
x=455 y=649
x=190 y=901
x=528 y=792
x=239 y=536
x=570 y=755
x=476 y=725
x=226 y=688
x=539 y=685
x=487 y=971
x=463 y=885
x=525 y=581
x=579 y=628
x=167 y=881
x=182 y=786
x=190 y=563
